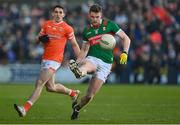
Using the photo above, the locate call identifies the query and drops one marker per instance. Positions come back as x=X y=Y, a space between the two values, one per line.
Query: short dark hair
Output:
x=95 y=8
x=57 y=6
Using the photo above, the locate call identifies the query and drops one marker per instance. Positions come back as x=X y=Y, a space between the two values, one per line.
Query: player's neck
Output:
x=57 y=22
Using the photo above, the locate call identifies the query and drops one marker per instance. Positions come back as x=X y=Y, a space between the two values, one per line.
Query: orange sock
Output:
x=27 y=106
x=72 y=93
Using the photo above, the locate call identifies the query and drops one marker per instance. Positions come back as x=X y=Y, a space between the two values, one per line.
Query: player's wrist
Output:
x=125 y=52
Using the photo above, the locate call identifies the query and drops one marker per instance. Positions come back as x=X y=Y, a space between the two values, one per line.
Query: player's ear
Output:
x=64 y=15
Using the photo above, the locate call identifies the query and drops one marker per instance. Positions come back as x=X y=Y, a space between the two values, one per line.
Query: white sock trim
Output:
x=70 y=91
x=30 y=102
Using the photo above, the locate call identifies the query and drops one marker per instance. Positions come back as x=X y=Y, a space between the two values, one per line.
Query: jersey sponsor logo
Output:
x=61 y=29
x=95 y=40
x=95 y=37
x=52 y=36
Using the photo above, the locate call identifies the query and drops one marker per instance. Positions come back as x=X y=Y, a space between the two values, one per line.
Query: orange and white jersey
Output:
x=58 y=33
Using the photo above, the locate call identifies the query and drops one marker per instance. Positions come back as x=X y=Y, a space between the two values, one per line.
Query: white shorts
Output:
x=103 y=69
x=50 y=64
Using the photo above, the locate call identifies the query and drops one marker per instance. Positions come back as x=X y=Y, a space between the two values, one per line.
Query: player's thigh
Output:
x=44 y=76
x=89 y=65
x=49 y=67
x=51 y=82
x=94 y=86
x=104 y=69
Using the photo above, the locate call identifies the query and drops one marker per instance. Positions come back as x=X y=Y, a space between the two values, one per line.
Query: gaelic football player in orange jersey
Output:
x=54 y=35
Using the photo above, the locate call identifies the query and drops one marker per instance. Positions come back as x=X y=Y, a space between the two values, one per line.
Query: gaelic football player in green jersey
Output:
x=94 y=59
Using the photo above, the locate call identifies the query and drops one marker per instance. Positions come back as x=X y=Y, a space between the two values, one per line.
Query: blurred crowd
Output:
x=152 y=25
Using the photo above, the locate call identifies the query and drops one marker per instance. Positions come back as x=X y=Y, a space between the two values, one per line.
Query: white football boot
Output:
x=75 y=69
x=20 y=109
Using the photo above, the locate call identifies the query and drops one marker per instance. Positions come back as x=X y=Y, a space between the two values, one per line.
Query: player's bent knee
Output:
x=50 y=89
x=39 y=83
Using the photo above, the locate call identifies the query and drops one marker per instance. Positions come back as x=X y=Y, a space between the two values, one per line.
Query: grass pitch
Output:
x=113 y=104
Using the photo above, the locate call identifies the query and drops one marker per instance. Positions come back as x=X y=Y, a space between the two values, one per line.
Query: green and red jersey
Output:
x=93 y=36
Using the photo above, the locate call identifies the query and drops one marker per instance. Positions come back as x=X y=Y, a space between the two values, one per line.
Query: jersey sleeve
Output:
x=43 y=30
x=115 y=27
x=69 y=32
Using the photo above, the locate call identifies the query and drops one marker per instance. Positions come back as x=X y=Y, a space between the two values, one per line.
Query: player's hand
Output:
x=44 y=38
x=123 y=58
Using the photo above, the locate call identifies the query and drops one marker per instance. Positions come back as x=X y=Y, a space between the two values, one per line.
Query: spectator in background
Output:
x=3 y=55
x=153 y=70
x=54 y=35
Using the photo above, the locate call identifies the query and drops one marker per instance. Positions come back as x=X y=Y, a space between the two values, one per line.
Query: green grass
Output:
x=113 y=104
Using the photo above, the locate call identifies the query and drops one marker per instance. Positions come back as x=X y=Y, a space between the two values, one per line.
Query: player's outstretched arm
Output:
x=126 y=44
x=75 y=46
x=126 y=40
x=83 y=52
